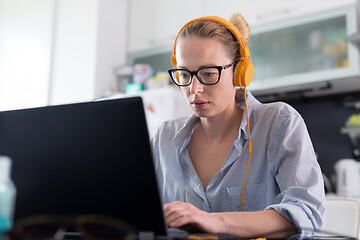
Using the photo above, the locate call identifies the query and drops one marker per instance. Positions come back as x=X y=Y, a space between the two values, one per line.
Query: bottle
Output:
x=7 y=195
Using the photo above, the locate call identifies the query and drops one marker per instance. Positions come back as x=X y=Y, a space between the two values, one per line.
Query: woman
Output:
x=202 y=161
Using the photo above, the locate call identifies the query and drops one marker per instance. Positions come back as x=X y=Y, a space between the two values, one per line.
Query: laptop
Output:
x=84 y=158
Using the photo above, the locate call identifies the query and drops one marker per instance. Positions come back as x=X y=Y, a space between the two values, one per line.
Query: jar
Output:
x=7 y=195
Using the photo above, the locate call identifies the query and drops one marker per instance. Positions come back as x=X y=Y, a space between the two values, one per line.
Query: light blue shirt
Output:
x=283 y=175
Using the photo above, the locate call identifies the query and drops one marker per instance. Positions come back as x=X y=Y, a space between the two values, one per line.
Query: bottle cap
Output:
x=5 y=165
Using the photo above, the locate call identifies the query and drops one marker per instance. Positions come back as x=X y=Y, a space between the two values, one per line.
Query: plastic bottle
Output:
x=7 y=195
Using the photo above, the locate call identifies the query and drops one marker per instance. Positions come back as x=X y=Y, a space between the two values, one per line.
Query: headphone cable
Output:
x=250 y=149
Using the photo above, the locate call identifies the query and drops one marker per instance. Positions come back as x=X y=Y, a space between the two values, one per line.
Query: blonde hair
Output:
x=218 y=31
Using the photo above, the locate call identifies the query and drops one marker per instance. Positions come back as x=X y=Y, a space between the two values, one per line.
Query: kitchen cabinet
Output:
x=306 y=53
x=260 y=11
x=306 y=50
x=87 y=49
x=155 y=23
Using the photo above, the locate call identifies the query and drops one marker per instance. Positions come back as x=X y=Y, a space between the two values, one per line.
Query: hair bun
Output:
x=240 y=23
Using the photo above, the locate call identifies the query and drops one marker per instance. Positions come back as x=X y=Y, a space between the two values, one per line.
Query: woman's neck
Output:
x=217 y=128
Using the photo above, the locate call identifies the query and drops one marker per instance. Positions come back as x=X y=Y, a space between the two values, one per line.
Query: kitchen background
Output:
x=305 y=53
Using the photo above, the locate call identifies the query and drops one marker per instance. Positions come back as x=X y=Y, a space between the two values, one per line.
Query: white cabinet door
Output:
x=155 y=23
x=262 y=11
x=89 y=45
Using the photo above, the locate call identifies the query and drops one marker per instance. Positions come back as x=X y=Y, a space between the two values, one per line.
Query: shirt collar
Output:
x=183 y=136
x=252 y=103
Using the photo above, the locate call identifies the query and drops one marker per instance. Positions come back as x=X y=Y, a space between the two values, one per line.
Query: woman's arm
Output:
x=267 y=223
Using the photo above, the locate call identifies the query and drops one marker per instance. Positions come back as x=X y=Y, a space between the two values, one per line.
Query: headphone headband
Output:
x=244 y=50
x=244 y=70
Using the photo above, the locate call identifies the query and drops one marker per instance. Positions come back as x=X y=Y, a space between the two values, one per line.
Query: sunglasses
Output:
x=89 y=227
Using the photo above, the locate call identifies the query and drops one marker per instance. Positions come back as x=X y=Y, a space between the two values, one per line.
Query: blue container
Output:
x=7 y=195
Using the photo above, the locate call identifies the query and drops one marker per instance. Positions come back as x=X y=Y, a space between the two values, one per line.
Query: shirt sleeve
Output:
x=155 y=145
x=302 y=195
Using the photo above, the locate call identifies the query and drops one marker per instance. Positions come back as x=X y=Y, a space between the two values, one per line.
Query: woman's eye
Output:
x=209 y=74
x=184 y=75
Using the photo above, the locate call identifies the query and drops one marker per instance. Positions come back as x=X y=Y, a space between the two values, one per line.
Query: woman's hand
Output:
x=187 y=217
x=268 y=223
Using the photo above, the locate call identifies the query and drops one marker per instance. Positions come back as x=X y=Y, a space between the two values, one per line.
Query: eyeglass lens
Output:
x=205 y=75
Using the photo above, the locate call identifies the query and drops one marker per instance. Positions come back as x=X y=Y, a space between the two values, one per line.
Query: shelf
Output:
x=347 y=130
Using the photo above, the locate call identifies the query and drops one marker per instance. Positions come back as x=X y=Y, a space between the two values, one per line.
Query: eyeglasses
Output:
x=58 y=227
x=206 y=75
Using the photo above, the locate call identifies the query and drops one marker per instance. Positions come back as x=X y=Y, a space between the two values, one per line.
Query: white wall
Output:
x=59 y=51
x=25 y=52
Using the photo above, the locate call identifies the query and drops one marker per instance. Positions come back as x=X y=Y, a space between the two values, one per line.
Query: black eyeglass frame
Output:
x=192 y=73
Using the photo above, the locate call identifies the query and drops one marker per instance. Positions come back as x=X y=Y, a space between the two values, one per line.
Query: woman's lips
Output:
x=199 y=104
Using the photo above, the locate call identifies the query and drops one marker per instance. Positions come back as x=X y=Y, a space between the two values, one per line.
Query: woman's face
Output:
x=206 y=101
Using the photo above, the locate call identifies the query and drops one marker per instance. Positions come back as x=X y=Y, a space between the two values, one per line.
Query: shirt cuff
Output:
x=299 y=214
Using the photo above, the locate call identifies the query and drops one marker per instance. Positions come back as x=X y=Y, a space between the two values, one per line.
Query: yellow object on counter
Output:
x=213 y=237
x=210 y=237
x=353 y=121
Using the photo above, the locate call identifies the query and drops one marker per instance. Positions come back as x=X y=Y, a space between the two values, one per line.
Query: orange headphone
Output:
x=244 y=70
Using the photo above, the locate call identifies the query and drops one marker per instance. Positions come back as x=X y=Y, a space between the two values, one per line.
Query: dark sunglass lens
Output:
x=41 y=231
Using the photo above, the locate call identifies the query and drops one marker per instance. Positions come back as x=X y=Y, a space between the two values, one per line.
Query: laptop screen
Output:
x=84 y=158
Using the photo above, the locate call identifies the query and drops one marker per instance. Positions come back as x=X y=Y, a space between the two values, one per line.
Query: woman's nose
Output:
x=196 y=86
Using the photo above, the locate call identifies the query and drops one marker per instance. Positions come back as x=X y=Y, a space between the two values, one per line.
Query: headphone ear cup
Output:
x=248 y=73
x=244 y=73
x=237 y=78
